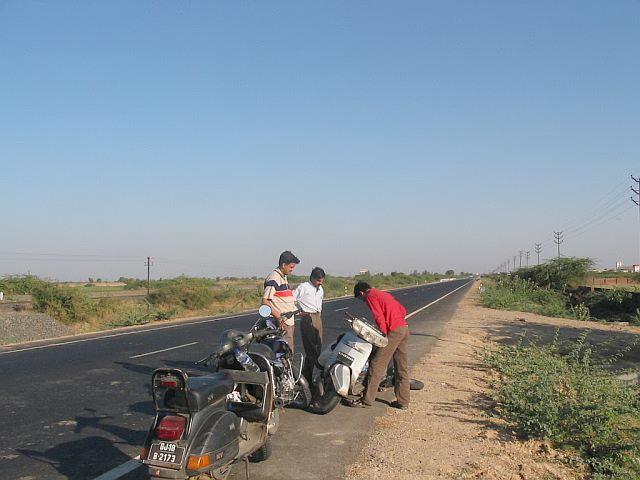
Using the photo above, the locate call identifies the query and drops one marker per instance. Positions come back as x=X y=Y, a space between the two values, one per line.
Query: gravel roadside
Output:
x=26 y=326
x=447 y=432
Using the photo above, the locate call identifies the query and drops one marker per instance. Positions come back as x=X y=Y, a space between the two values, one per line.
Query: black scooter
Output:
x=205 y=424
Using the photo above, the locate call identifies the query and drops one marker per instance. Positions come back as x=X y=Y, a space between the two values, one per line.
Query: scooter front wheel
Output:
x=325 y=396
x=302 y=394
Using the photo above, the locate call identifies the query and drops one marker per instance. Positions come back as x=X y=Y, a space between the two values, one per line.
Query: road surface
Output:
x=79 y=407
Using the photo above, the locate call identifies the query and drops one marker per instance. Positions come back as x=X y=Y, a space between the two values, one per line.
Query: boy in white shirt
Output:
x=309 y=296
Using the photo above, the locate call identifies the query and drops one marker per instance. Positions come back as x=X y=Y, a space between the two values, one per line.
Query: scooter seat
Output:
x=205 y=390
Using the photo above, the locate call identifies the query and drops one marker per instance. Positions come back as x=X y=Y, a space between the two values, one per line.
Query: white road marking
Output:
x=127 y=467
x=164 y=350
x=436 y=301
x=133 y=332
x=339 y=309
x=121 y=470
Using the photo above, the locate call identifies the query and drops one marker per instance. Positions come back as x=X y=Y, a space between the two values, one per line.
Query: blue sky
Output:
x=388 y=135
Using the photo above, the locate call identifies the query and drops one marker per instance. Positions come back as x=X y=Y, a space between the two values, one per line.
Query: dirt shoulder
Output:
x=447 y=433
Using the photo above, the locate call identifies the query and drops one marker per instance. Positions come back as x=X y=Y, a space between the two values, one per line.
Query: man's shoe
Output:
x=399 y=406
x=356 y=403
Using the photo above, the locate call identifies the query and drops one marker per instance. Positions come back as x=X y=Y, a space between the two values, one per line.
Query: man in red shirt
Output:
x=390 y=315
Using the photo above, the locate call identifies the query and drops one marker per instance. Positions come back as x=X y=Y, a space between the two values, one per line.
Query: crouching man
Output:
x=390 y=315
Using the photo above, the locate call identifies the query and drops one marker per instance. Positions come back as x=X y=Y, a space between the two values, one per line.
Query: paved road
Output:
x=79 y=408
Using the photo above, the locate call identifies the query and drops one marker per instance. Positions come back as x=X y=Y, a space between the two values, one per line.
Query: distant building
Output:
x=364 y=271
x=635 y=268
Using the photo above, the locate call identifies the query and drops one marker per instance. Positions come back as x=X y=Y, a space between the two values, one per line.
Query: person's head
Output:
x=317 y=276
x=287 y=262
x=361 y=290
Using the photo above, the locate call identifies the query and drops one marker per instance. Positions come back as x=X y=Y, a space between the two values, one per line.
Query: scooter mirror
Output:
x=264 y=311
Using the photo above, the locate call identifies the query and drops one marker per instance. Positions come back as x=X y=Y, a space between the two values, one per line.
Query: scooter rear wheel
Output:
x=263 y=453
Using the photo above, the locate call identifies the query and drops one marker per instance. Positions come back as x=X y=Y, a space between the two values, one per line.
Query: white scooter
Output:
x=342 y=368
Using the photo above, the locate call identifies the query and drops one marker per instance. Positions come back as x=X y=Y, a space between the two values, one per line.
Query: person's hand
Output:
x=282 y=324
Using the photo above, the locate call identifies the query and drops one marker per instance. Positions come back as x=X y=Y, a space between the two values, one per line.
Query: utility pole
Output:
x=508 y=265
x=148 y=264
x=514 y=263
x=521 y=252
x=637 y=202
x=527 y=253
x=538 y=250
x=558 y=239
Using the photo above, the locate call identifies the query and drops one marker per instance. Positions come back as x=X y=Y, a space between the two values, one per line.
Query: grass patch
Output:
x=514 y=293
x=558 y=392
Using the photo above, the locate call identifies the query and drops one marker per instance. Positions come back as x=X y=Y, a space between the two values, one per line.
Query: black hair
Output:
x=317 y=273
x=287 y=257
x=360 y=288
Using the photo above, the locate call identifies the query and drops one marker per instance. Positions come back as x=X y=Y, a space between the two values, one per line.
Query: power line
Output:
x=637 y=202
x=558 y=240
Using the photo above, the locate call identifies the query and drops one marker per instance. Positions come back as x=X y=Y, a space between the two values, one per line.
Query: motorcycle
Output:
x=205 y=424
x=342 y=368
x=291 y=387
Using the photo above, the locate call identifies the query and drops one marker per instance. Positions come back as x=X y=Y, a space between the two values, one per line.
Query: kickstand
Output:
x=246 y=467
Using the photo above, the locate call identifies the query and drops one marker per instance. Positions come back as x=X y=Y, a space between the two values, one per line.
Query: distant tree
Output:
x=557 y=274
x=91 y=280
x=450 y=272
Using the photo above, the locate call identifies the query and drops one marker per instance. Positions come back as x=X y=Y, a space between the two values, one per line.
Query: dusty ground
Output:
x=447 y=433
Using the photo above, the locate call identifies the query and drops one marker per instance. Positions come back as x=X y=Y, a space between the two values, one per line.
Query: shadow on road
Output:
x=80 y=459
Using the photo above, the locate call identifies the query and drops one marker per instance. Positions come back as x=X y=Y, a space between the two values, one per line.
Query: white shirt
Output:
x=309 y=297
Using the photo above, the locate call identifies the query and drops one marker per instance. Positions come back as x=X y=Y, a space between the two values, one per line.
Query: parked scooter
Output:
x=342 y=368
x=205 y=424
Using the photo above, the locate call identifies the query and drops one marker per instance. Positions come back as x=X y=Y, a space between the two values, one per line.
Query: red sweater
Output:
x=388 y=312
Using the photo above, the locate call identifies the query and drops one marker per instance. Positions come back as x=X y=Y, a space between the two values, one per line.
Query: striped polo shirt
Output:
x=276 y=289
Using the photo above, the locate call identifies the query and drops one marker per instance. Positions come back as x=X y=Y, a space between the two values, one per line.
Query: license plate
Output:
x=166 y=453
x=345 y=359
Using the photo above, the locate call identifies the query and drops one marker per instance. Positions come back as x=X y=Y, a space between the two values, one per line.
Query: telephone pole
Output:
x=637 y=202
x=148 y=264
x=558 y=239
x=538 y=250
x=514 y=263
x=521 y=252
x=508 y=265
x=527 y=253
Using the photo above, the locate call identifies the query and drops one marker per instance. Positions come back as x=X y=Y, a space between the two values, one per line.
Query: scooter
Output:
x=342 y=368
x=205 y=424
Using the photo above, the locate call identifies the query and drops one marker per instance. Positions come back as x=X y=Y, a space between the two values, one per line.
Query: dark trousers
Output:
x=397 y=349
x=311 y=331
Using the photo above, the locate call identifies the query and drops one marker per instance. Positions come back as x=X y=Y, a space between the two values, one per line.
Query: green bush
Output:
x=557 y=392
x=65 y=304
x=185 y=293
x=20 y=284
